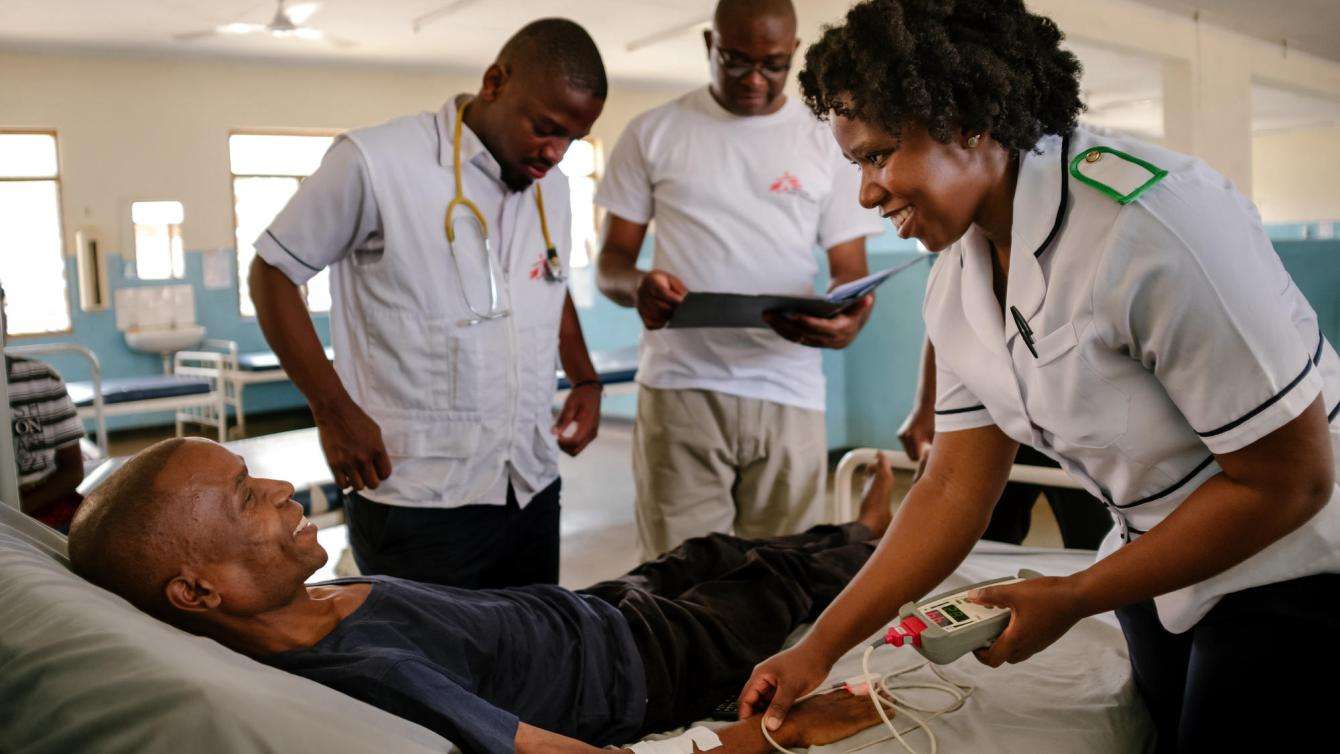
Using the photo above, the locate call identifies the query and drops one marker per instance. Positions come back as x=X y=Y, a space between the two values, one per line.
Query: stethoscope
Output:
x=553 y=265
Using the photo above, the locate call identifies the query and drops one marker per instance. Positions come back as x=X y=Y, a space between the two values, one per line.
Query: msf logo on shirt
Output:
x=786 y=184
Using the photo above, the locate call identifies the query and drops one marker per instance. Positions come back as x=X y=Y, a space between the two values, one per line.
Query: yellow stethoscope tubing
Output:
x=461 y=200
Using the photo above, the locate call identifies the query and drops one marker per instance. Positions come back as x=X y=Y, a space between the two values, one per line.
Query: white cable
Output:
x=881 y=691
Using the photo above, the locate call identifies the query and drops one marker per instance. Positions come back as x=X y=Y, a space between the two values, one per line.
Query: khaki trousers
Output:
x=707 y=462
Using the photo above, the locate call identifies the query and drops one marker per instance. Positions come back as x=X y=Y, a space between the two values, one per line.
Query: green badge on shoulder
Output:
x=1114 y=173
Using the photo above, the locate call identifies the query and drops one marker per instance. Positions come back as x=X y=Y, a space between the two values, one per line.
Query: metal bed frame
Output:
x=843 y=507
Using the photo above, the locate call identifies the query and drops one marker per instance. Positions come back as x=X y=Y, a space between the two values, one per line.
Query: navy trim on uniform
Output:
x=947 y=411
x=1171 y=488
x=1220 y=430
x=290 y=252
x=1065 y=198
x=1321 y=340
x=1331 y=416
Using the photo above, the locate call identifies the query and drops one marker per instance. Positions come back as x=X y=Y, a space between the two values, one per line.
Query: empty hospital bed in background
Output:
x=617 y=369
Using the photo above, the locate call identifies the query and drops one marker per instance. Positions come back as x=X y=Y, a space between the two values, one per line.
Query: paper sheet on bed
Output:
x=1075 y=696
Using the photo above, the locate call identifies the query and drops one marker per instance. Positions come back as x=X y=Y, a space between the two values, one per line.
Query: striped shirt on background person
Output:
x=43 y=417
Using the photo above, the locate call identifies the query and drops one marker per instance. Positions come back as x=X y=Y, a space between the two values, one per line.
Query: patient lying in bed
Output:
x=184 y=533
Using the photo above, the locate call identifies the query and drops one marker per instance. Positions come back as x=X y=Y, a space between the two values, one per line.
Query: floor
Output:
x=598 y=534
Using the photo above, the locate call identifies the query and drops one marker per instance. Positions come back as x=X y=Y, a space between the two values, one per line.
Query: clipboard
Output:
x=711 y=309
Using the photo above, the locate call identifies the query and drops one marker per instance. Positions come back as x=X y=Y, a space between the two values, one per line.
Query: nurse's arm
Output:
x=351 y=441
x=1264 y=491
x=655 y=294
x=943 y=515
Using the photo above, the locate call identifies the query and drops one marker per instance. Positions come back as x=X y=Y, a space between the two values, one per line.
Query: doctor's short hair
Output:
x=562 y=46
x=954 y=66
x=120 y=538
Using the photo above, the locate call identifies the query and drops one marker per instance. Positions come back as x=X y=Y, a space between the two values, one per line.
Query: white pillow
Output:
x=82 y=670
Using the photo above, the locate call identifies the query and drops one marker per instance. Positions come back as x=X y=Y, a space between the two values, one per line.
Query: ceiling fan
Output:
x=288 y=23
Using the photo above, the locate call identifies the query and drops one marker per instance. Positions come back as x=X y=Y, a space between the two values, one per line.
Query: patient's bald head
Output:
x=182 y=531
x=122 y=537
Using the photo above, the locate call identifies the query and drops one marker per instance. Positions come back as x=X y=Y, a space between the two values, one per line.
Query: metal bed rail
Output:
x=95 y=371
x=843 y=508
x=213 y=367
x=9 y=465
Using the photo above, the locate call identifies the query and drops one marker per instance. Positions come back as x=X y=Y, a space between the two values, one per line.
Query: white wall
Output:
x=133 y=128
x=1296 y=175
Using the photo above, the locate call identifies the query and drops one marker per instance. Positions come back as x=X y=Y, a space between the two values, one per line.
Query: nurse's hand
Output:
x=818 y=332
x=779 y=681
x=1044 y=609
x=658 y=296
x=579 y=420
x=353 y=445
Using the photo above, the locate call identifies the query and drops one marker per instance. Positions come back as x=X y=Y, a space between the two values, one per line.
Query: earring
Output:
x=974 y=140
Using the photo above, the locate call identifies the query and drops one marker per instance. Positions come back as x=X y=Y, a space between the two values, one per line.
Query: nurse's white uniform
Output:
x=1166 y=330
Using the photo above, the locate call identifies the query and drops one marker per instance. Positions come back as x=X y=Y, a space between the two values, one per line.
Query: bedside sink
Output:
x=165 y=340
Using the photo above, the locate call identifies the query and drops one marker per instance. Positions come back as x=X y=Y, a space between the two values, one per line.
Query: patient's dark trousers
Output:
x=704 y=614
x=1251 y=675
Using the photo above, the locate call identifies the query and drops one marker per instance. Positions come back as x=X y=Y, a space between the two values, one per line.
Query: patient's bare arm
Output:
x=816 y=721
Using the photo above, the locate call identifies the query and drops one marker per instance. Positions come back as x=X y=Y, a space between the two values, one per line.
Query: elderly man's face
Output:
x=246 y=536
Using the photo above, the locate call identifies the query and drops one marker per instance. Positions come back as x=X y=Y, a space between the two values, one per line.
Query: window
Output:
x=158 y=251
x=582 y=165
x=32 y=262
x=267 y=168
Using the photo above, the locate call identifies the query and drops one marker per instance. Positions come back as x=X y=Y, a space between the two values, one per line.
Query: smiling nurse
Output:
x=1117 y=306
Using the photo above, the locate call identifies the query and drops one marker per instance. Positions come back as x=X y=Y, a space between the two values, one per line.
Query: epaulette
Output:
x=1121 y=176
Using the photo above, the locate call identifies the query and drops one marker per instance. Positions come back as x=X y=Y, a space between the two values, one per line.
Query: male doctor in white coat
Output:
x=447 y=331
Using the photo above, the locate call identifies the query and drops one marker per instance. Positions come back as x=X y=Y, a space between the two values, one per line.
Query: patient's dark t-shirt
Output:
x=472 y=664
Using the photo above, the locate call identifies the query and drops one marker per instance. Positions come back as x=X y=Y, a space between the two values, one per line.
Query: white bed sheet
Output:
x=1076 y=696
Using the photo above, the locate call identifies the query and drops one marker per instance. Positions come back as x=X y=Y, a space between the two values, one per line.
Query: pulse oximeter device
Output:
x=947 y=626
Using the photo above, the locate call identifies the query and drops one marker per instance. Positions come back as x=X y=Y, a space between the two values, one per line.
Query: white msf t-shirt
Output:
x=740 y=204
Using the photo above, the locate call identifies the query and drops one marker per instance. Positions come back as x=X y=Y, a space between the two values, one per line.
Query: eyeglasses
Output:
x=737 y=67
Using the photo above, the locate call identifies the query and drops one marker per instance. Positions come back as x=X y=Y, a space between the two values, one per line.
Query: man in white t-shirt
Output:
x=743 y=184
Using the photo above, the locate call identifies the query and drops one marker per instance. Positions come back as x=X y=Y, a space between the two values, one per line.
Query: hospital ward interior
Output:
x=670 y=376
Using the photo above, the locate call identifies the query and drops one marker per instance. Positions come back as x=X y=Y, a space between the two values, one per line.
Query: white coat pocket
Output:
x=1067 y=397
x=417 y=363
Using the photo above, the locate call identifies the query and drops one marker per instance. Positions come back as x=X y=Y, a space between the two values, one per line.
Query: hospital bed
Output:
x=193 y=391
x=85 y=671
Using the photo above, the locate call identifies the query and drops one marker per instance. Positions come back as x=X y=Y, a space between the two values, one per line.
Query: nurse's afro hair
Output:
x=954 y=66
x=562 y=46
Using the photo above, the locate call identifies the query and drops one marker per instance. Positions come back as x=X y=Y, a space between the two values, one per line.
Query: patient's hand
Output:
x=826 y=718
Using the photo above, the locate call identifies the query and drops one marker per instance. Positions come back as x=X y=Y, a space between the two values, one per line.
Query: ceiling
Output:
x=1309 y=25
x=468 y=32
x=1123 y=91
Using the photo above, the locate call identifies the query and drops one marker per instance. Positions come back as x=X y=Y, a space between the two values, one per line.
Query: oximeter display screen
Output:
x=955 y=613
x=938 y=618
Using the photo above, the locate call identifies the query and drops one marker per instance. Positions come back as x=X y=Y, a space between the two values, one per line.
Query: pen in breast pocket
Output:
x=1025 y=331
